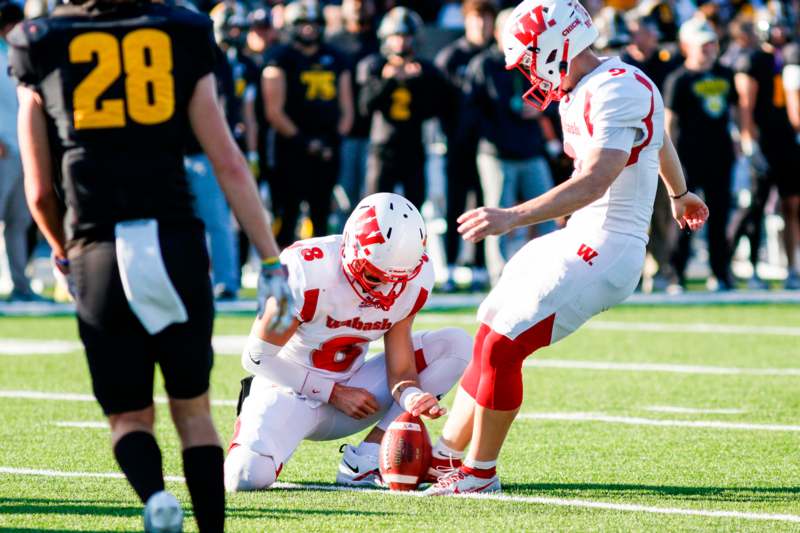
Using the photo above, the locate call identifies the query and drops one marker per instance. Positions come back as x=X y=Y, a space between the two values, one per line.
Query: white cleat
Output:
x=460 y=483
x=358 y=470
x=163 y=514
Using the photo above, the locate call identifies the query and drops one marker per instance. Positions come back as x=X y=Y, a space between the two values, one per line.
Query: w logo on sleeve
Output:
x=587 y=253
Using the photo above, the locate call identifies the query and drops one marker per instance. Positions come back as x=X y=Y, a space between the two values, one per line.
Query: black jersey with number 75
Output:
x=116 y=82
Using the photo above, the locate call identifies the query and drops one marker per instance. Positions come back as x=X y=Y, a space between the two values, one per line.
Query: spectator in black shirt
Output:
x=308 y=95
x=511 y=150
x=768 y=139
x=462 y=146
x=698 y=98
x=356 y=41
x=399 y=91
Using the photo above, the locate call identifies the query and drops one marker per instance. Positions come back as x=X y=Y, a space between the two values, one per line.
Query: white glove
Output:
x=553 y=148
x=273 y=283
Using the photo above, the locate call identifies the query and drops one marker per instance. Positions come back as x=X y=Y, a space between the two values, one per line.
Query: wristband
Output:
x=406 y=396
x=317 y=387
x=271 y=264
x=400 y=384
x=62 y=262
x=679 y=195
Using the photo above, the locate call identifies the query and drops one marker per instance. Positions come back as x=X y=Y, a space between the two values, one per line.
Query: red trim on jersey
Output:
x=236 y=427
x=311 y=297
x=648 y=123
x=421 y=299
x=587 y=113
x=419 y=360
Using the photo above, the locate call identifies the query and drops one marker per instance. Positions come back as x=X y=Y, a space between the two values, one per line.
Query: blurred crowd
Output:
x=334 y=100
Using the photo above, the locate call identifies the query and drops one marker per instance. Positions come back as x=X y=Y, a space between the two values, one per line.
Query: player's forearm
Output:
x=261 y=359
x=279 y=120
x=240 y=190
x=670 y=168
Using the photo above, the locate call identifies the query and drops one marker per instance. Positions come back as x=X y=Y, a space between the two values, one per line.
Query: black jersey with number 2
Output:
x=116 y=83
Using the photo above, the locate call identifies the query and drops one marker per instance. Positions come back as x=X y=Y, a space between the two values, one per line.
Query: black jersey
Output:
x=116 y=83
x=355 y=47
x=770 y=108
x=453 y=60
x=312 y=87
x=398 y=107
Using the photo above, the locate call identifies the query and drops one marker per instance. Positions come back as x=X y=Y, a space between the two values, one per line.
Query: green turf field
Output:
x=659 y=419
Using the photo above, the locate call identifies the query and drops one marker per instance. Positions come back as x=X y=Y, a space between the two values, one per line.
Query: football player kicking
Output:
x=613 y=121
x=313 y=381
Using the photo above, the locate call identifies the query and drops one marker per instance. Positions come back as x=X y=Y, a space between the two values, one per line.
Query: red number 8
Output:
x=309 y=254
x=337 y=354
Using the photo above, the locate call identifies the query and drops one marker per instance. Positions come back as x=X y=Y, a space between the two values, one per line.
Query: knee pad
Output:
x=500 y=385
x=247 y=470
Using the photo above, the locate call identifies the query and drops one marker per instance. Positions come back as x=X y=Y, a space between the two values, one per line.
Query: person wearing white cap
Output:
x=698 y=98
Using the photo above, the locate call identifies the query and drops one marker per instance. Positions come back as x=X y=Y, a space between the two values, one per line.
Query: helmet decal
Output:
x=367 y=229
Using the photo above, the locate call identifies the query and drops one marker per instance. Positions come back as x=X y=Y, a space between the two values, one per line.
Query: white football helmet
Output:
x=383 y=247
x=540 y=38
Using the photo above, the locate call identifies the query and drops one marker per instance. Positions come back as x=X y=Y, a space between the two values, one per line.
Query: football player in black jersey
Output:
x=108 y=91
x=308 y=95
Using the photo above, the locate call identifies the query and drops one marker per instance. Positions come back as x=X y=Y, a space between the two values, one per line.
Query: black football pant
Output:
x=299 y=176
x=462 y=177
x=387 y=169
x=715 y=181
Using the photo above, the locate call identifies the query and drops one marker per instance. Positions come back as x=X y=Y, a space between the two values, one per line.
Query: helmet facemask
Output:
x=542 y=93
x=370 y=279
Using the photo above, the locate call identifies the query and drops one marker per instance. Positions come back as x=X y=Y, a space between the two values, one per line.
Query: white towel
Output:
x=150 y=293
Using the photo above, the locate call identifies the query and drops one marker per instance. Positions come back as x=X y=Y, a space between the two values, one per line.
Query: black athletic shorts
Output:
x=121 y=354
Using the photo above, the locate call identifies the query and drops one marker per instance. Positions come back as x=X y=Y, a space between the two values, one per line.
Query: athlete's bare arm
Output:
x=588 y=183
x=347 y=113
x=687 y=208
x=402 y=374
x=230 y=166
x=37 y=163
x=273 y=83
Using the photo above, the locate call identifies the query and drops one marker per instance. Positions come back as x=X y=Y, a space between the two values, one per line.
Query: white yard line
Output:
x=538 y=500
x=38 y=347
x=692 y=410
x=74 y=397
x=82 y=425
x=637 y=421
x=659 y=367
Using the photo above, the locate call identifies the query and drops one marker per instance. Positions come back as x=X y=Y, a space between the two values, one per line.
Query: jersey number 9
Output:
x=149 y=85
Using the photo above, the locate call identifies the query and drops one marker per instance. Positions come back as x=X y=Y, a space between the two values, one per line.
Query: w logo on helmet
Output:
x=531 y=24
x=367 y=230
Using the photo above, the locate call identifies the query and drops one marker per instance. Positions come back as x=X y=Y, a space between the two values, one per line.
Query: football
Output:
x=405 y=453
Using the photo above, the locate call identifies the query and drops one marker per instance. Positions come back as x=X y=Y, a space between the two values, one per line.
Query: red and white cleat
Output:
x=459 y=482
x=358 y=470
x=441 y=467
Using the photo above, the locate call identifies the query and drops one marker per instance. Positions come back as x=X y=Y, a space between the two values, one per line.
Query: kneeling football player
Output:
x=313 y=381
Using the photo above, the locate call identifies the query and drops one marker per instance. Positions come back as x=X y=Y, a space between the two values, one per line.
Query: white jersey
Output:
x=609 y=100
x=336 y=325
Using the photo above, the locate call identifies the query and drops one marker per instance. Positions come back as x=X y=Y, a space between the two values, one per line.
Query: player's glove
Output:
x=272 y=283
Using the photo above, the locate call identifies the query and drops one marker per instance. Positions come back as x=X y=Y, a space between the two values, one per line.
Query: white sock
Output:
x=443 y=451
x=480 y=465
x=369 y=448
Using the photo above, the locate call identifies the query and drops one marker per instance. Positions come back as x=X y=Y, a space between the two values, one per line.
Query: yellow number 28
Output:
x=149 y=85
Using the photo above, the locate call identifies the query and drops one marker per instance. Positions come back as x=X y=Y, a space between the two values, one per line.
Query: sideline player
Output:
x=313 y=381
x=119 y=83
x=613 y=119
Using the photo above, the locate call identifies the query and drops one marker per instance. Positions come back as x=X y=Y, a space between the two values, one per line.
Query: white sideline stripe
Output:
x=541 y=500
x=659 y=367
x=37 y=347
x=637 y=421
x=74 y=397
x=88 y=425
x=692 y=410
